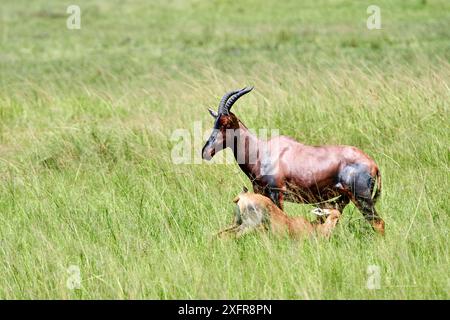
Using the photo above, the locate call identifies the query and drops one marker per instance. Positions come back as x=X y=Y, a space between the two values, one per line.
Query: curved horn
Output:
x=234 y=98
x=222 y=109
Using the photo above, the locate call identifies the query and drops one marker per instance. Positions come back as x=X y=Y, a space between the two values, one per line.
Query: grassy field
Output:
x=86 y=116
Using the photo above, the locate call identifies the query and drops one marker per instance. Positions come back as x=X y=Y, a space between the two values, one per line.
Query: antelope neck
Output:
x=247 y=151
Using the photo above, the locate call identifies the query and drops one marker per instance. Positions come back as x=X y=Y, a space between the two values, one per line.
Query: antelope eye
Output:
x=223 y=121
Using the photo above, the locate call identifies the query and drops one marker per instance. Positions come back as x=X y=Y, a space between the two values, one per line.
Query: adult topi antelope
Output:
x=284 y=169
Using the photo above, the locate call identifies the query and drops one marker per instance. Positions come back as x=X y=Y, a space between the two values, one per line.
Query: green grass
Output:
x=86 y=116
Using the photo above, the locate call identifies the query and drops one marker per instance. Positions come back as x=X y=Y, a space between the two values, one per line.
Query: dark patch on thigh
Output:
x=357 y=179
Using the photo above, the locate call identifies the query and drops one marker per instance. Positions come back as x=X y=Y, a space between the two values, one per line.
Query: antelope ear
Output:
x=244 y=189
x=213 y=113
x=320 y=212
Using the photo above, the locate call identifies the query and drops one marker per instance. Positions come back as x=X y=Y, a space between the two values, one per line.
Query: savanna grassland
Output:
x=86 y=120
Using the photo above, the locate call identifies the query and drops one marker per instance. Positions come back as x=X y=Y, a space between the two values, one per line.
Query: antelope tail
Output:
x=378 y=188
